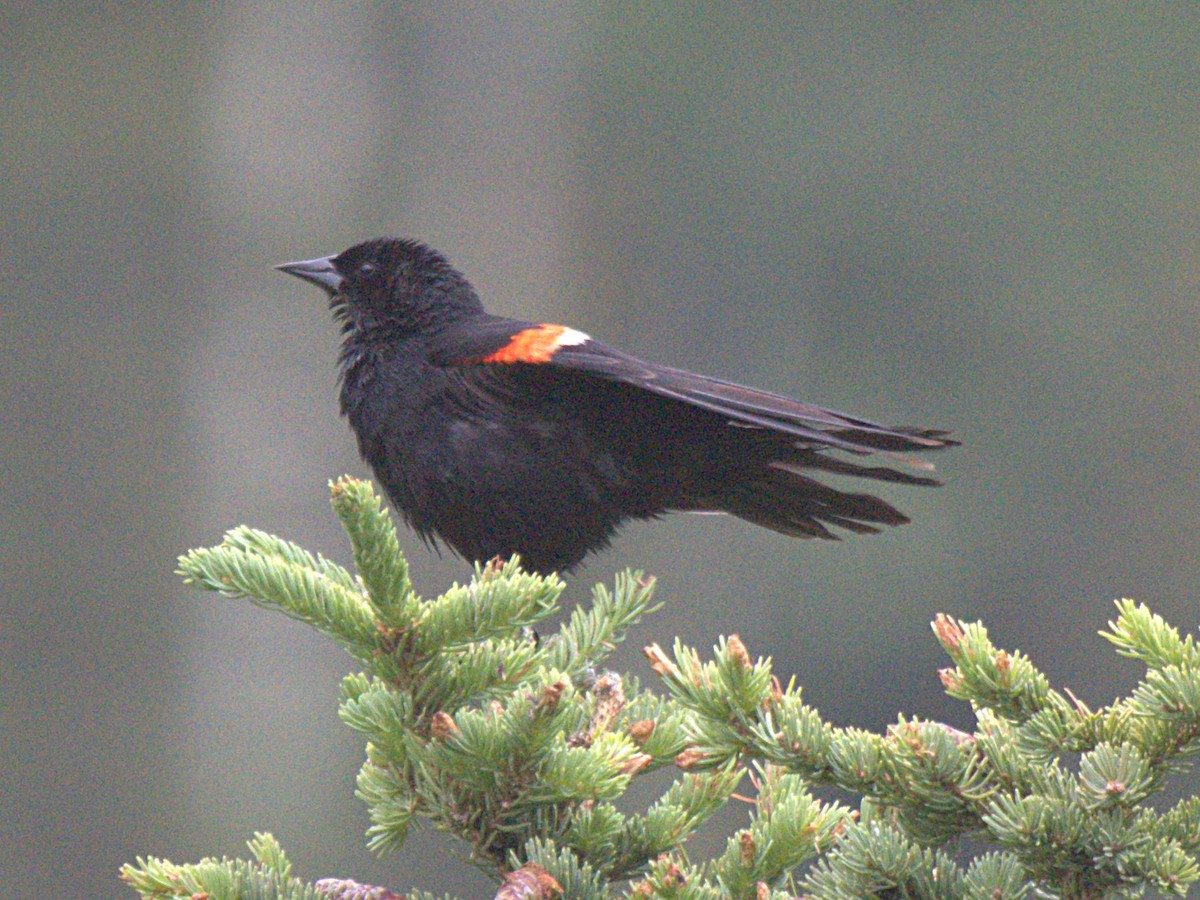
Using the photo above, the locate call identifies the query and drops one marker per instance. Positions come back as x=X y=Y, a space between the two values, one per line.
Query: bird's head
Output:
x=392 y=284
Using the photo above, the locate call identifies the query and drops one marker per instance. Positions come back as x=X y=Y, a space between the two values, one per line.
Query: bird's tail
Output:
x=782 y=495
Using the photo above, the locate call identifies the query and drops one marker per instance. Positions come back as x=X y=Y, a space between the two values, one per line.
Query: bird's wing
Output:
x=497 y=341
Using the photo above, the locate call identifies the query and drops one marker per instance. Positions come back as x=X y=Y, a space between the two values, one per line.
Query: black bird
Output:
x=498 y=436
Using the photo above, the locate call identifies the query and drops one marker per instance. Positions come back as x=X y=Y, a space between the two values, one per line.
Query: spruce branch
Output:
x=268 y=877
x=377 y=556
x=275 y=574
x=593 y=632
x=1006 y=683
x=788 y=828
x=525 y=749
x=1143 y=635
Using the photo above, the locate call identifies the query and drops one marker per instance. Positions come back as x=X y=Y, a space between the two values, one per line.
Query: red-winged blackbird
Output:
x=499 y=437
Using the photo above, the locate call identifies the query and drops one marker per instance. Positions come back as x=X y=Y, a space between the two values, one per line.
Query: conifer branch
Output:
x=525 y=748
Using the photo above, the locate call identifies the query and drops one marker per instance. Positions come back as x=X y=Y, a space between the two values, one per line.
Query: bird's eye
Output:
x=366 y=269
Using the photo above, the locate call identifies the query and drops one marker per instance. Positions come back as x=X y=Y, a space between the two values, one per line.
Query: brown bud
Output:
x=530 y=882
x=641 y=731
x=737 y=651
x=950 y=679
x=660 y=662
x=1003 y=663
x=948 y=632
x=636 y=763
x=548 y=702
x=747 y=849
x=689 y=758
x=442 y=727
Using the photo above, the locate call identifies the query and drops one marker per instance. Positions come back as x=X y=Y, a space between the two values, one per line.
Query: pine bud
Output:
x=950 y=679
x=949 y=633
x=641 y=731
x=1003 y=663
x=636 y=763
x=747 y=849
x=442 y=727
x=548 y=702
x=689 y=758
x=530 y=882
x=737 y=651
x=659 y=661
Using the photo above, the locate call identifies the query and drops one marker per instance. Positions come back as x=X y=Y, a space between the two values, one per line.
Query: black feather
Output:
x=548 y=457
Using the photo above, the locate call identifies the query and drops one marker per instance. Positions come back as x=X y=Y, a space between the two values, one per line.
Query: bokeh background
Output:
x=980 y=217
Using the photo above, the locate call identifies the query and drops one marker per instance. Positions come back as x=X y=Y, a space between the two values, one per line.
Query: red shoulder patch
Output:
x=536 y=345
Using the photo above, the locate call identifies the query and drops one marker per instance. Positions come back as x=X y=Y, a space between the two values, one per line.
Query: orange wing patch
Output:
x=536 y=345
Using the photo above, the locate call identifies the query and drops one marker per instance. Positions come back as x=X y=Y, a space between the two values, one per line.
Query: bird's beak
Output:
x=320 y=272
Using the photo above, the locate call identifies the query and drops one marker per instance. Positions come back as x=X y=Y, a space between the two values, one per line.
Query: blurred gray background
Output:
x=974 y=217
